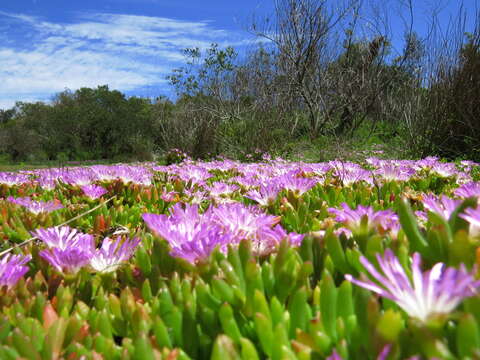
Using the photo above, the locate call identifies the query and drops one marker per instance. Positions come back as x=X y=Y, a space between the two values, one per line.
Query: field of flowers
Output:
x=229 y=260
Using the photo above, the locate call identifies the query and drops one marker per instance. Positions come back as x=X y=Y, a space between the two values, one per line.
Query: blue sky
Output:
x=47 y=46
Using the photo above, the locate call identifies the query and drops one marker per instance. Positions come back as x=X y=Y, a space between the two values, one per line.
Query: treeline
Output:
x=316 y=74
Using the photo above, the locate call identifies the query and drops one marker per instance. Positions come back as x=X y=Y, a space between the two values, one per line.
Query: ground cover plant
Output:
x=230 y=260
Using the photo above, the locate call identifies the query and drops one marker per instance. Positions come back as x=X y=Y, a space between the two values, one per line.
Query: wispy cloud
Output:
x=127 y=52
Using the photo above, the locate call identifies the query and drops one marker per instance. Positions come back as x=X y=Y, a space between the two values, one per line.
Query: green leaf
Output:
x=147 y=291
x=345 y=306
x=281 y=342
x=73 y=328
x=335 y=251
x=143 y=260
x=268 y=278
x=189 y=331
x=127 y=303
x=277 y=311
x=229 y=325
x=24 y=346
x=231 y=275
x=261 y=305
x=263 y=327
x=8 y=353
x=143 y=348
x=114 y=306
x=468 y=336
x=176 y=324
x=224 y=349
x=5 y=328
x=235 y=259
x=65 y=300
x=54 y=339
x=390 y=325
x=103 y=324
x=322 y=341
x=223 y=290
x=462 y=250
x=248 y=350
x=410 y=227
x=161 y=333
x=328 y=304
x=299 y=311
x=206 y=298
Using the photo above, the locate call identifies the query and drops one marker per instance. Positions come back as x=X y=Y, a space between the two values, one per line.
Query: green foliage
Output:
x=85 y=124
x=448 y=125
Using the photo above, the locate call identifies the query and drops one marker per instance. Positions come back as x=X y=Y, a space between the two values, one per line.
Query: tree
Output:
x=86 y=124
x=301 y=32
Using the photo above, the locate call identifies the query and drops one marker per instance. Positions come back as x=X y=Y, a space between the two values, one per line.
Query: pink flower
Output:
x=36 y=207
x=295 y=183
x=12 y=268
x=352 y=218
x=265 y=196
x=11 y=179
x=443 y=206
x=69 y=249
x=391 y=172
x=436 y=291
x=191 y=235
x=93 y=191
x=243 y=222
x=63 y=237
x=112 y=253
x=68 y=260
x=473 y=217
x=468 y=190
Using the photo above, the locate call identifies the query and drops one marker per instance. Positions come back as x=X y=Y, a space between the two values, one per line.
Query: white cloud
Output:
x=127 y=52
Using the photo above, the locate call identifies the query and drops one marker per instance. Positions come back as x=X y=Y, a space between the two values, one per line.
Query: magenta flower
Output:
x=193 y=174
x=70 y=260
x=195 y=196
x=202 y=243
x=385 y=220
x=36 y=207
x=168 y=196
x=436 y=291
x=443 y=206
x=349 y=173
x=104 y=172
x=133 y=174
x=267 y=239
x=265 y=196
x=191 y=235
x=64 y=237
x=391 y=172
x=468 y=190
x=445 y=169
x=79 y=176
x=295 y=183
x=12 y=268
x=243 y=222
x=11 y=179
x=93 y=191
x=69 y=249
x=247 y=181
x=473 y=217
x=219 y=188
x=110 y=256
